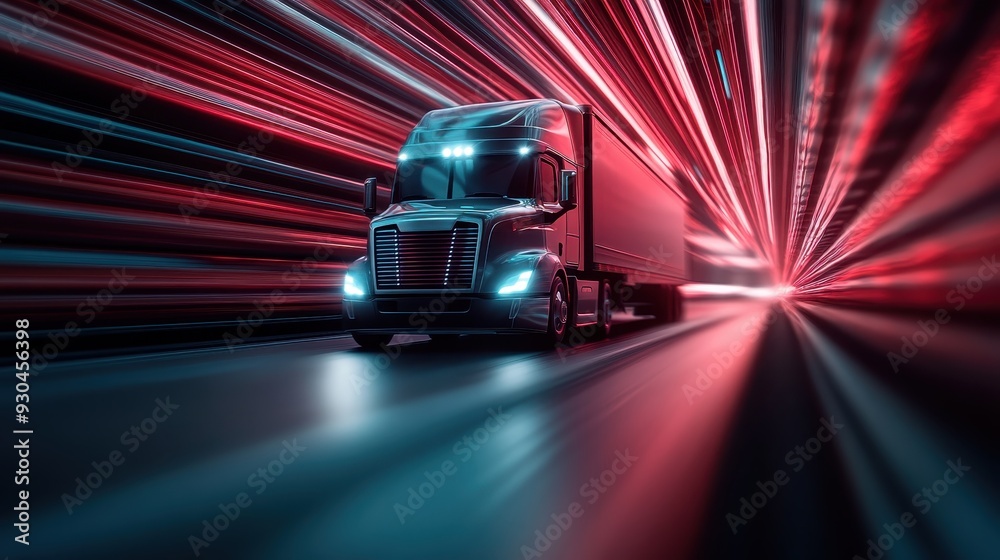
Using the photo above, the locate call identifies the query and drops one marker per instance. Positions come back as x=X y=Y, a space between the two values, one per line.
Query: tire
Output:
x=604 y=306
x=371 y=341
x=559 y=313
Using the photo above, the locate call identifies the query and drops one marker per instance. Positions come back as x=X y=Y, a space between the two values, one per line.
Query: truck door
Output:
x=572 y=219
x=548 y=195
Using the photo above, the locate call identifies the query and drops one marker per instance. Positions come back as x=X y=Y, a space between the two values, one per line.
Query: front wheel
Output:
x=371 y=341
x=558 y=312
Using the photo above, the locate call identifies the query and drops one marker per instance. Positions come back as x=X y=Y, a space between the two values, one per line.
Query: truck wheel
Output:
x=558 y=312
x=604 y=306
x=371 y=341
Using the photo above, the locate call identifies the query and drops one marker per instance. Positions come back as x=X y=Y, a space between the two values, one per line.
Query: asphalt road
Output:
x=642 y=446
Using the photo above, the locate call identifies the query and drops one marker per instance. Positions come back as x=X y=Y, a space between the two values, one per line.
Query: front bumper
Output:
x=465 y=314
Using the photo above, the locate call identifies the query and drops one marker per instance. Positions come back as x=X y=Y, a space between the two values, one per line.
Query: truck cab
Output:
x=483 y=233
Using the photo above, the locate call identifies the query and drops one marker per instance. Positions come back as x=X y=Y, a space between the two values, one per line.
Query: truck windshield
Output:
x=480 y=176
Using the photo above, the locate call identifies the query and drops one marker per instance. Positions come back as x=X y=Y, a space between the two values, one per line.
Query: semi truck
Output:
x=532 y=217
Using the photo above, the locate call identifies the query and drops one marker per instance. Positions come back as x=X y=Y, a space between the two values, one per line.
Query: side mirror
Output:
x=371 y=196
x=567 y=193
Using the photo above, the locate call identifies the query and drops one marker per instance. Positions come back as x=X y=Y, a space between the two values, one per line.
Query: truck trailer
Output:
x=516 y=217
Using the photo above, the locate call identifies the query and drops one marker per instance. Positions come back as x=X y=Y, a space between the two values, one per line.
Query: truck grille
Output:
x=425 y=260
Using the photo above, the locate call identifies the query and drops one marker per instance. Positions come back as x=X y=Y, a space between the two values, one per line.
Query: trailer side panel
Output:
x=638 y=221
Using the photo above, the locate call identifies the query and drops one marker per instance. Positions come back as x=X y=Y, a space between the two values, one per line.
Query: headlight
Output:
x=515 y=284
x=352 y=288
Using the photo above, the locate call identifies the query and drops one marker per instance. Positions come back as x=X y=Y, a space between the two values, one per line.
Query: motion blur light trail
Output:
x=843 y=162
x=206 y=159
x=886 y=458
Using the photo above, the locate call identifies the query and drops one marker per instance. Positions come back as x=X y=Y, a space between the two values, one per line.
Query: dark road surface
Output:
x=642 y=446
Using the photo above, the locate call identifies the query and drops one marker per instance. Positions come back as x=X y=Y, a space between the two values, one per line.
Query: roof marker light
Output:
x=523 y=150
x=467 y=151
x=446 y=152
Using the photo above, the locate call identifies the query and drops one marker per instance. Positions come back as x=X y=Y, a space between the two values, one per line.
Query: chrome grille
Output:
x=425 y=260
